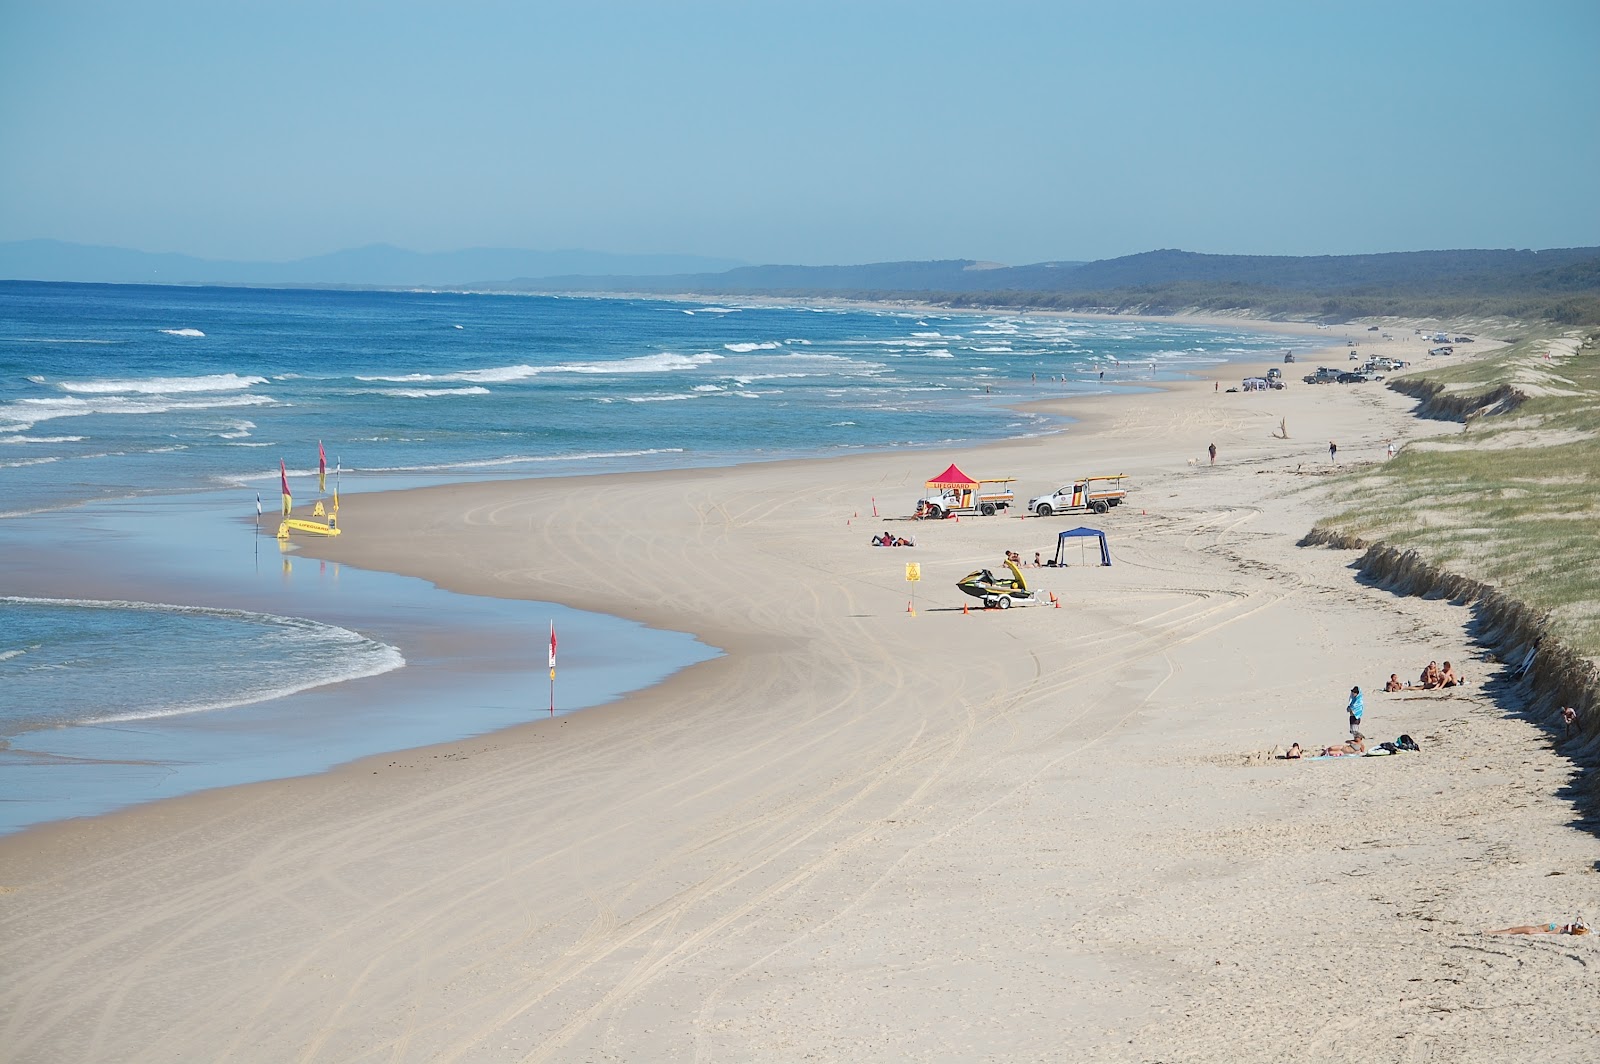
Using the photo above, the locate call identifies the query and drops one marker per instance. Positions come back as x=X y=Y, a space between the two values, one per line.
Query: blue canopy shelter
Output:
x=1080 y=533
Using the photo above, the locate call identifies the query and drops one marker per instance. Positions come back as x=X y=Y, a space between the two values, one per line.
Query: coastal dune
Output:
x=867 y=833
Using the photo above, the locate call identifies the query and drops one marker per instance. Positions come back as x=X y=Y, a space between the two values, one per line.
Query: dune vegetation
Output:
x=1509 y=494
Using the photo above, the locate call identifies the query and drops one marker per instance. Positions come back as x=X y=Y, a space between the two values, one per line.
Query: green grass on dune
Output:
x=1512 y=499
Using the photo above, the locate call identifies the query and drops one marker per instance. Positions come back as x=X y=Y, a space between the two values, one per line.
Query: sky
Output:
x=815 y=132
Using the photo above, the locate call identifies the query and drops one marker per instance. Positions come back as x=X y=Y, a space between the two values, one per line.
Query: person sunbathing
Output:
x=1358 y=745
x=1430 y=676
x=1448 y=677
x=1293 y=753
x=1394 y=684
x=1577 y=927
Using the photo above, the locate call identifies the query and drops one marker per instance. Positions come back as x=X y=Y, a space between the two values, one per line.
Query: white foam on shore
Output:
x=744 y=349
x=326 y=653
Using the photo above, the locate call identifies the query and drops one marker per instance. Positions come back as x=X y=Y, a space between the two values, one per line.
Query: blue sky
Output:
x=814 y=132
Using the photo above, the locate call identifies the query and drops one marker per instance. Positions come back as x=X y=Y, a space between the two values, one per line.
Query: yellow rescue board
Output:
x=295 y=524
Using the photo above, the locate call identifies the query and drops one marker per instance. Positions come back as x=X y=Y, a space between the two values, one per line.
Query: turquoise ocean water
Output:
x=149 y=646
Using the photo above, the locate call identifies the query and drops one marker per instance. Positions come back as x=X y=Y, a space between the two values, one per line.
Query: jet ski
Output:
x=999 y=592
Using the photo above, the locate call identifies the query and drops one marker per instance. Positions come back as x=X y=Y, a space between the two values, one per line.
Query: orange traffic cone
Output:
x=911 y=609
x=1058 y=602
x=963 y=609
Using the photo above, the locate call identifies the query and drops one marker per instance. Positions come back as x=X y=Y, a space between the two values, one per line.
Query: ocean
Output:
x=153 y=643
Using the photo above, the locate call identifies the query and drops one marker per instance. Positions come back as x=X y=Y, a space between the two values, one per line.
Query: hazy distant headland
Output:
x=377 y=265
x=1560 y=285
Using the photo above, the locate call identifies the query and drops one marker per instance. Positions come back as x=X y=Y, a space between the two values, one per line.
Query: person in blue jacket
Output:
x=1355 y=709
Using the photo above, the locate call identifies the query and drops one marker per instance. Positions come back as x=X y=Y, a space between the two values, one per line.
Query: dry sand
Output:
x=1038 y=834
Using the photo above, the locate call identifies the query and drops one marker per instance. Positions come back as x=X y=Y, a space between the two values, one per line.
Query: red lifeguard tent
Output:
x=952 y=478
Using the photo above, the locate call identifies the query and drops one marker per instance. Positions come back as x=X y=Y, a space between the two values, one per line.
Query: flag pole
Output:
x=552 y=667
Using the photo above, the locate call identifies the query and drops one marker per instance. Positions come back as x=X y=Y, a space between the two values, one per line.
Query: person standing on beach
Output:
x=1333 y=451
x=1213 y=450
x=1355 y=709
x=1391 y=448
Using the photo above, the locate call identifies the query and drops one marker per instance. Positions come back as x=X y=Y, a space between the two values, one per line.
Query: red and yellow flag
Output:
x=322 y=469
x=283 y=476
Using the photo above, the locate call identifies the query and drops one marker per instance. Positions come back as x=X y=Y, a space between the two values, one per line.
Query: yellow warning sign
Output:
x=913 y=571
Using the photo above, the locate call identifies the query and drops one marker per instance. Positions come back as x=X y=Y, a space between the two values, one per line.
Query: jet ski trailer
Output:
x=1000 y=592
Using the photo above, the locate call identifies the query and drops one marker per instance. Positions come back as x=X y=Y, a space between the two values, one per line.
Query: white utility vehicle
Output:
x=1091 y=493
x=988 y=498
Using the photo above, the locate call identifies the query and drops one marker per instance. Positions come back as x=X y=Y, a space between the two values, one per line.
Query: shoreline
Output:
x=1083 y=412
x=863 y=833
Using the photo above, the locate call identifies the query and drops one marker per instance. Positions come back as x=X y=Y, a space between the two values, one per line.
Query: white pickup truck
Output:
x=988 y=498
x=1091 y=493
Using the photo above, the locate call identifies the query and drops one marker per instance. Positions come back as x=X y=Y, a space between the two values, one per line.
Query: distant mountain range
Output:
x=1150 y=269
x=1560 y=284
x=377 y=265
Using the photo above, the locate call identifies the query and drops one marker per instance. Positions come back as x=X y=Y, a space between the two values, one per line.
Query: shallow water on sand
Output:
x=156 y=690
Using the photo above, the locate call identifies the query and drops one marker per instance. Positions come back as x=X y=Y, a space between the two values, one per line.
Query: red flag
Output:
x=283 y=474
x=552 y=650
x=322 y=468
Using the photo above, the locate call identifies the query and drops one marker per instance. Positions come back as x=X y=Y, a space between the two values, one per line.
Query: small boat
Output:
x=999 y=592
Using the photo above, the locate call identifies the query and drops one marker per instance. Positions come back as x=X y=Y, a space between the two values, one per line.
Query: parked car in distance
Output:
x=1372 y=328
x=1463 y=340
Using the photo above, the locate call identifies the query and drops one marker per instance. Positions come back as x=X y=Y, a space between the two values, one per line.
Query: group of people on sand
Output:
x=1355 y=711
x=889 y=539
x=1356 y=746
x=1433 y=678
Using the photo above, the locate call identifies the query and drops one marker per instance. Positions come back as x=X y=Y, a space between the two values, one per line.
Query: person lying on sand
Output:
x=1448 y=677
x=1577 y=927
x=1293 y=753
x=1358 y=745
x=1394 y=684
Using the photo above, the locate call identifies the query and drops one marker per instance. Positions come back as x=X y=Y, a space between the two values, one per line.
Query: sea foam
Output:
x=213 y=382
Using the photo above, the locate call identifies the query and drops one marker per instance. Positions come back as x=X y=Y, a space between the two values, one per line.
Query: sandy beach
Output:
x=867 y=834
